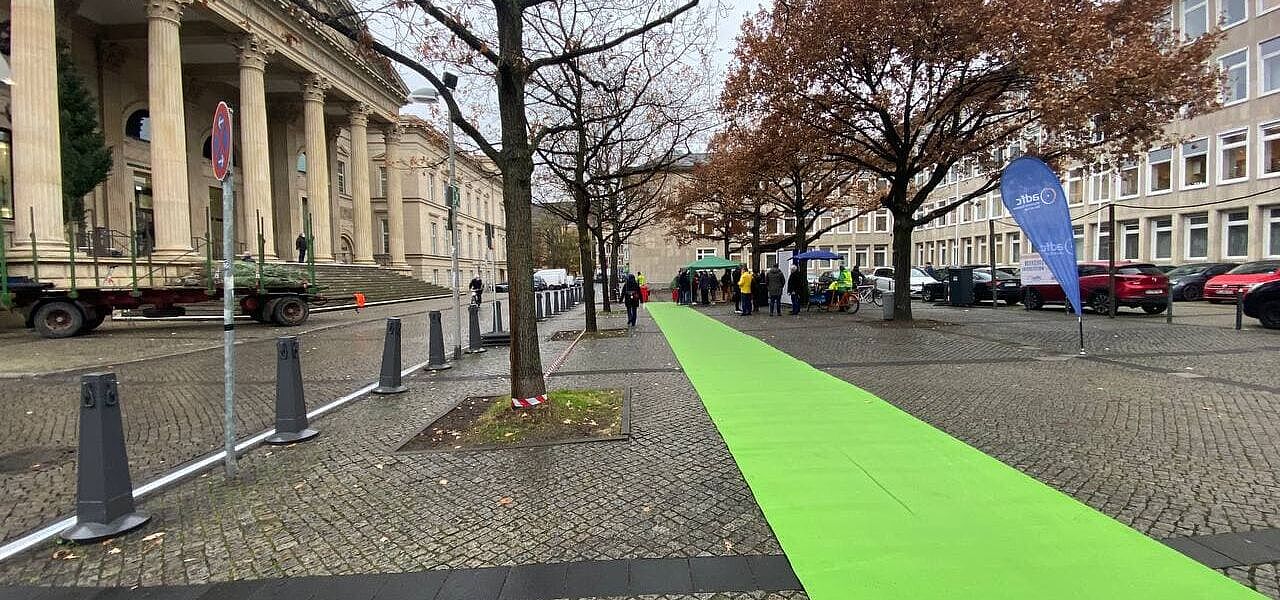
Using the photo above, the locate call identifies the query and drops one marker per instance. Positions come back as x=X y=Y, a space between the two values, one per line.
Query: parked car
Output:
x=1241 y=279
x=504 y=287
x=540 y=284
x=1138 y=285
x=1188 y=280
x=882 y=277
x=1007 y=287
x=1263 y=303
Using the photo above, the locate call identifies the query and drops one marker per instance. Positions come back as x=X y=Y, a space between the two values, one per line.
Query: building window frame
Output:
x=1161 y=227
x=382 y=182
x=1235 y=223
x=6 y=174
x=1227 y=142
x=1265 y=56
x=1101 y=180
x=1271 y=231
x=1192 y=225
x=1075 y=186
x=1199 y=149
x=1129 y=232
x=384 y=230
x=1223 y=17
x=1156 y=158
x=1185 y=8
x=1239 y=62
x=1126 y=168
x=1264 y=9
x=701 y=253
x=1268 y=157
x=341 y=169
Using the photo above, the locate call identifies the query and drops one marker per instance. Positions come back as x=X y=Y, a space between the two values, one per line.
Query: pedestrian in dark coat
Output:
x=797 y=287
x=300 y=245
x=706 y=282
x=774 y=282
x=631 y=298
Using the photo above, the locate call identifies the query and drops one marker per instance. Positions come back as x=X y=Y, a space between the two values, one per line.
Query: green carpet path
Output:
x=870 y=502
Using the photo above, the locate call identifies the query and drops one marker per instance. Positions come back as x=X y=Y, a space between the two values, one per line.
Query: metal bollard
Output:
x=473 y=334
x=389 y=381
x=104 y=490
x=435 y=344
x=1239 y=310
x=497 y=316
x=542 y=310
x=1168 y=312
x=291 y=407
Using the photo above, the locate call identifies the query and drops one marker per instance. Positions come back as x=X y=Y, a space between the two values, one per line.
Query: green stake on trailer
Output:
x=71 y=254
x=208 y=249
x=311 y=252
x=133 y=250
x=93 y=248
x=35 y=253
x=262 y=246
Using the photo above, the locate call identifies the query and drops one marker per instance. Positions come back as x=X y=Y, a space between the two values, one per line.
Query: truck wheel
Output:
x=291 y=311
x=93 y=317
x=266 y=312
x=58 y=319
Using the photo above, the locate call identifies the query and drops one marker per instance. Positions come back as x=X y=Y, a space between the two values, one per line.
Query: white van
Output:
x=555 y=278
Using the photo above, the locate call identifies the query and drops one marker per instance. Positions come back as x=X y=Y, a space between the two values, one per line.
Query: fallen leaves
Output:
x=65 y=554
x=506 y=501
x=114 y=551
x=155 y=536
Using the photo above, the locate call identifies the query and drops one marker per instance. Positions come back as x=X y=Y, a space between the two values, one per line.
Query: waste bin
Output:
x=887 y=299
x=960 y=286
x=644 y=293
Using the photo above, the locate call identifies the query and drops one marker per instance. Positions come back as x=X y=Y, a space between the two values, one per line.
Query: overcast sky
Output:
x=727 y=27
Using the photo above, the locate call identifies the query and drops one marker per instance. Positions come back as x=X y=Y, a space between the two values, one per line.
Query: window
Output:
x=1235 y=234
x=997 y=205
x=1075 y=186
x=981 y=252
x=6 y=174
x=846 y=253
x=847 y=226
x=1233 y=157
x=301 y=164
x=1233 y=12
x=382 y=181
x=1128 y=179
x=880 y=255
x=385 y=227
x=1129 y=240
x=999 y=248
x=1267 y=5
x=1236 y=86
x=435 y=237
x=1160 y=170
x=1100 y=180
x=1195 y=163
x=1197 y=236
x=864 y=224
x=1270 y=139
x=431 y=186
x=967 y=244
x=342 y=177
x=1269 y=62
x=702 y=253
x=920 y=254
x=1162 y=242
x=1077 y=235
x=966 y=212
x=1272 y=232
x=980 y=209
x=1195 y=18
x=138 y=126
x=882 y=220
x=860 y=255
x=1015 y=248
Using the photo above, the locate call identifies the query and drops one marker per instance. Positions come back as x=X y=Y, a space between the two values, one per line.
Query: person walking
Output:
x=477 y=290
x=929 y=270
x=796 y=286
x=640 y=278
x=682 y=281
x=744 y=291
x=631 y=298
x=706 y=282
x=300 y=245
x=775 y=281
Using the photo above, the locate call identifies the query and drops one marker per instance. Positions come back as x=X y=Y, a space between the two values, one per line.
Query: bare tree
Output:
x=488 y=39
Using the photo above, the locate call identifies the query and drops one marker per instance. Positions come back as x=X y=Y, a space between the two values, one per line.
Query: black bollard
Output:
x=389 y=381
x=104 y=490
x=558 y=297
x=435 y=344
x=291 y=407
x=474 y=345
x=540 y=305
x=1239 y=310
x=497 y=316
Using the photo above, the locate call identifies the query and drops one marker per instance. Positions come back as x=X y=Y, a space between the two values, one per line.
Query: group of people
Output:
x=753 y=290
x=750 y=290
x=696 y=287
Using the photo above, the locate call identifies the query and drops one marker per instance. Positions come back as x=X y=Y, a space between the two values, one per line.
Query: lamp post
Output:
x=429 y=95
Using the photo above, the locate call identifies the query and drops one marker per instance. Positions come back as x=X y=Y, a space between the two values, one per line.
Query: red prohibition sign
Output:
x=221 y=142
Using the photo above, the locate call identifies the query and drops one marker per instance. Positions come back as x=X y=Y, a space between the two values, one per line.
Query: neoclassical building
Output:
x=317 y=132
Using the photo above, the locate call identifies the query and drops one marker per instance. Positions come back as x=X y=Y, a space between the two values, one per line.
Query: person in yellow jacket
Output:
x=744 y=289
x=840 y=288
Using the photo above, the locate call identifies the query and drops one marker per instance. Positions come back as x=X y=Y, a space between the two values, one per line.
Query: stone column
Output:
x=254 y=157
x=171 y=200
x=395 y=200
x=362 y=208
x=313 y=90
x=37 y=158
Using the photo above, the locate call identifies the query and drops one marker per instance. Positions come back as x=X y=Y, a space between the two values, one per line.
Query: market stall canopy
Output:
x=817 y=255
x=712 y=262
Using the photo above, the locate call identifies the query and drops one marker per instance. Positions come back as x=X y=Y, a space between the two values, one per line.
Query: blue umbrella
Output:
x=817 y=255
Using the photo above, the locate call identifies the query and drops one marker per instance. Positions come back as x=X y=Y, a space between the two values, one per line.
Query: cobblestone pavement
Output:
x=1170 y=429
x=172 y=397
x=348 y=503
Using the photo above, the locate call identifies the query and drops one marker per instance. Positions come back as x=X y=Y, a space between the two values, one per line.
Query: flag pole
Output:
x=1080 y=322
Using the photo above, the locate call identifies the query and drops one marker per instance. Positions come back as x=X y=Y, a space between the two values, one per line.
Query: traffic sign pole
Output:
x=222 y=169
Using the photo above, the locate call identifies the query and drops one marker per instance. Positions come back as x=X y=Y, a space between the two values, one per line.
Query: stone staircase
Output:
x=339 y=282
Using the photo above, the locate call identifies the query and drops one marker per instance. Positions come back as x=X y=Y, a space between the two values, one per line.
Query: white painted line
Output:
x=39 y=536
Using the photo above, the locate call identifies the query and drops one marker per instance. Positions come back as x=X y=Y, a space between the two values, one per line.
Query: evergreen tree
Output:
x=86 y=160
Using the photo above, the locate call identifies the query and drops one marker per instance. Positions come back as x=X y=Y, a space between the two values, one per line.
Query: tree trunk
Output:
x=902 y=230
x=605 y=292
x=527 y=379
x=583 y=206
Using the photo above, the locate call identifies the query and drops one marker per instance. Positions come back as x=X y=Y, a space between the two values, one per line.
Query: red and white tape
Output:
x=555 y=365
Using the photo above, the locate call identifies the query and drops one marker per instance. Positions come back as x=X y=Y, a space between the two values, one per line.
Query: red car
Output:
x=1240 y=280
x=1138 y=285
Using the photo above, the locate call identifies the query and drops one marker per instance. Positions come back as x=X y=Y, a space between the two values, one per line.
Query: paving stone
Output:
x=652 y=576
x=410 y=586
x=597 y=578
x=721 y=574
x=536 y=581
x=473 y=584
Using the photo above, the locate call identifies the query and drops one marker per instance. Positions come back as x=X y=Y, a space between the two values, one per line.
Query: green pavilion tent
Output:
x=712 y=262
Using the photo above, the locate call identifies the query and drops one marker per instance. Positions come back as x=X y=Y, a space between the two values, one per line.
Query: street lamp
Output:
x=429 y=95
